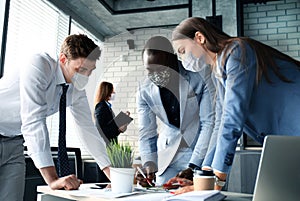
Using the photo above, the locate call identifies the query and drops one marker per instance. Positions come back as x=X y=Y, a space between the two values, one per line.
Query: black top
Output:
x=107 y=128
x=171 y=105
x=169 y=99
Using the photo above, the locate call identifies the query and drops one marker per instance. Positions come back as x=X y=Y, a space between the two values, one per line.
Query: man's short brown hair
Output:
x=80 y=46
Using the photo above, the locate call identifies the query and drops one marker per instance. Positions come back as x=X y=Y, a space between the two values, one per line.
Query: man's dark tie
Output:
x=62 y=159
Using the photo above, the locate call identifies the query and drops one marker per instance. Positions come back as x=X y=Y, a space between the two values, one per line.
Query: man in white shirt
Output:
x=34 y=94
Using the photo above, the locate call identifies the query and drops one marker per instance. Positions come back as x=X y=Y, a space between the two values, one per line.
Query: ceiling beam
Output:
x=142 y=10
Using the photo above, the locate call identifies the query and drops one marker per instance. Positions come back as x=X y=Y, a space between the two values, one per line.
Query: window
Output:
x=33 y=26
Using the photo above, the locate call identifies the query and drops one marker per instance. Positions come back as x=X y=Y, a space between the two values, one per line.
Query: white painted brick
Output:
x=282 y=48
x=129 y=78
x=125 y=49
x=286 y=6
x=131 y=57
x=108 y=74
x=291 y=1
x=294 y=23
x=132 y=84
x=128 y=68
x=251 y=21
x=114 y=49
x=257 y=26
x=287 y=18
x=288 y=42
x=107 y=45
x=113 y=79
x=294 y=47
x=136 y=53
x=127 y=89
x=271 y=43
x=287 y=30
x=113 y=69
x=293 y=35
x=121 y=43
x=121 y=63
x=266 y=7
x=251 y=32
x=136 y=63
x=250 y=9
x=276 y=13
x=260 y=37
x=277 y=36
x=294 y=54
x=267 y=31
x=267 y=19
x=276 y=24
x=114 y=39
x=108 y=54
x=257 y=15
x=120 y=74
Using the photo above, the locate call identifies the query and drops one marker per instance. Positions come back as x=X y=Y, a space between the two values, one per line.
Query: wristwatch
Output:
x=220 y=182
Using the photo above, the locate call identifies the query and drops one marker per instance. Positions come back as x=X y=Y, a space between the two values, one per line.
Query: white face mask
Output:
x=194 y=64
x=112 y=96
x=79 y=81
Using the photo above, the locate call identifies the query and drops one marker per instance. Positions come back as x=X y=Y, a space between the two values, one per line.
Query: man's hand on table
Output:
x=70 y=182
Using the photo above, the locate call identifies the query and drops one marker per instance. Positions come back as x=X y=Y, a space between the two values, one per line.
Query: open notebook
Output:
x=278 y=177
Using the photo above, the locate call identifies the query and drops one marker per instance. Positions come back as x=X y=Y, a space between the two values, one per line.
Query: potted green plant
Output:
x=121 y=171
x=120 y=155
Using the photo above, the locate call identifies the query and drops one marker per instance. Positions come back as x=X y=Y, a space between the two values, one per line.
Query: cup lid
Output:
x=204 y=172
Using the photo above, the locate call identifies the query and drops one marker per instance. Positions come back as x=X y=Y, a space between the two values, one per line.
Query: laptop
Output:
x=278 y=177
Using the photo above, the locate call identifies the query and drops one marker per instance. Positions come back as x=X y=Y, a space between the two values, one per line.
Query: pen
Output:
x=140 y=171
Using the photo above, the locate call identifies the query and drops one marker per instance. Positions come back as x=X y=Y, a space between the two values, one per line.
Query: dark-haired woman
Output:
x=258 y=87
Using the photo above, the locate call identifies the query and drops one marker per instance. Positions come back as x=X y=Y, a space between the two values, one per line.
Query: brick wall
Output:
x=124 y=68
x=275 y=23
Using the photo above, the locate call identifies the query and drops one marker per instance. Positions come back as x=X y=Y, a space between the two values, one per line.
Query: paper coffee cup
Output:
x=204 y=180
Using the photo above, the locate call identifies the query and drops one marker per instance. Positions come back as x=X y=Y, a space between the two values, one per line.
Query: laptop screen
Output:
x=278 y=176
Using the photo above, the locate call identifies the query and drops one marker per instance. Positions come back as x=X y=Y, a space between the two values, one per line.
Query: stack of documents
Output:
x=208 y=195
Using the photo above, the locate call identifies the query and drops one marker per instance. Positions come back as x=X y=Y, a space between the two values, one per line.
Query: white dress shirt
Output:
x=32 y=95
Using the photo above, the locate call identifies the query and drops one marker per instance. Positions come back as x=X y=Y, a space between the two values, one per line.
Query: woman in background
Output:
x=104 y=114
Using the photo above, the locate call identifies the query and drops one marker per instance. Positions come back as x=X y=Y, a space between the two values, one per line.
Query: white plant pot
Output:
x=121 y=179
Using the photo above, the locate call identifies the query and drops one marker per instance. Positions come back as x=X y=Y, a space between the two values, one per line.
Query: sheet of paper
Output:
x=205 y=195
x=147 y=197
x=91 y=190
